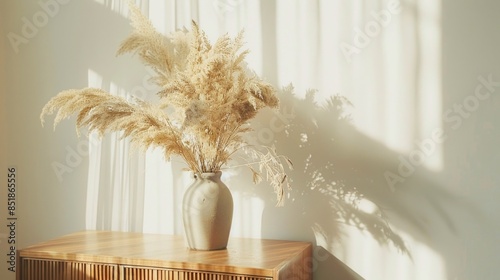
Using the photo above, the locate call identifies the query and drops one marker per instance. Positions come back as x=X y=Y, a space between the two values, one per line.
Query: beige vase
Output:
x=207 y=212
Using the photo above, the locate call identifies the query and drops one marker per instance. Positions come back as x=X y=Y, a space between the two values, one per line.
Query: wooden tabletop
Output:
x=243 y=255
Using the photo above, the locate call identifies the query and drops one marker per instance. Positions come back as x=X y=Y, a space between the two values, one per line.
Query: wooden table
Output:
x=99 y=255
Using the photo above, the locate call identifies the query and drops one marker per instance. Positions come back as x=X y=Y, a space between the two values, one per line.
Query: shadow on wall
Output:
x=83 y=37
x=84 y=43
x=338 y=172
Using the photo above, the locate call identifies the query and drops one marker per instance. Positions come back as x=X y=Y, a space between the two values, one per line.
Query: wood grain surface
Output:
x=274 y=259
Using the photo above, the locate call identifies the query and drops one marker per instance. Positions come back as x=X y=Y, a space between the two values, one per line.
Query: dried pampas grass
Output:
x=206 y=88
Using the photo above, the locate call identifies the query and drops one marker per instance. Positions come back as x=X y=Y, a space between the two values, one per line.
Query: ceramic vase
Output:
x=207 y=212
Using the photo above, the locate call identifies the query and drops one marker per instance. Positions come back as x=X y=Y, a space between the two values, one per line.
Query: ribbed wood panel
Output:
x=141 y=273
x=38 y=269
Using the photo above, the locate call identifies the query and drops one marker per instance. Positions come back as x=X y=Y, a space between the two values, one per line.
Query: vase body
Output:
x=207 y=212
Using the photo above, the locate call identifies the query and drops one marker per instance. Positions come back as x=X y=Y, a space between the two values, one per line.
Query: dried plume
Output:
x=207 y=97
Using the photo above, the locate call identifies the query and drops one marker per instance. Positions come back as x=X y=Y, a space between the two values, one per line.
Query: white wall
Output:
x=447 y=217
x=470 y=50
x=446 y=213
x=55 y=54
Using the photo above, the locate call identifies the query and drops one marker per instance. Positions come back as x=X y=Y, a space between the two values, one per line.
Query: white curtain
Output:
x=383 y=55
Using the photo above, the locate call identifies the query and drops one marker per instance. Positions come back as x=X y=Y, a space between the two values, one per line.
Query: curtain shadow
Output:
x=339 y=179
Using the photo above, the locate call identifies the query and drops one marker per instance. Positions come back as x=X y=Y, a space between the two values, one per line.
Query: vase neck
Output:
x=208 y=175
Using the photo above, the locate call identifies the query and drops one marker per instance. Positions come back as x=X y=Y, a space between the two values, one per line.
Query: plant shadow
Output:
x=340 y=181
